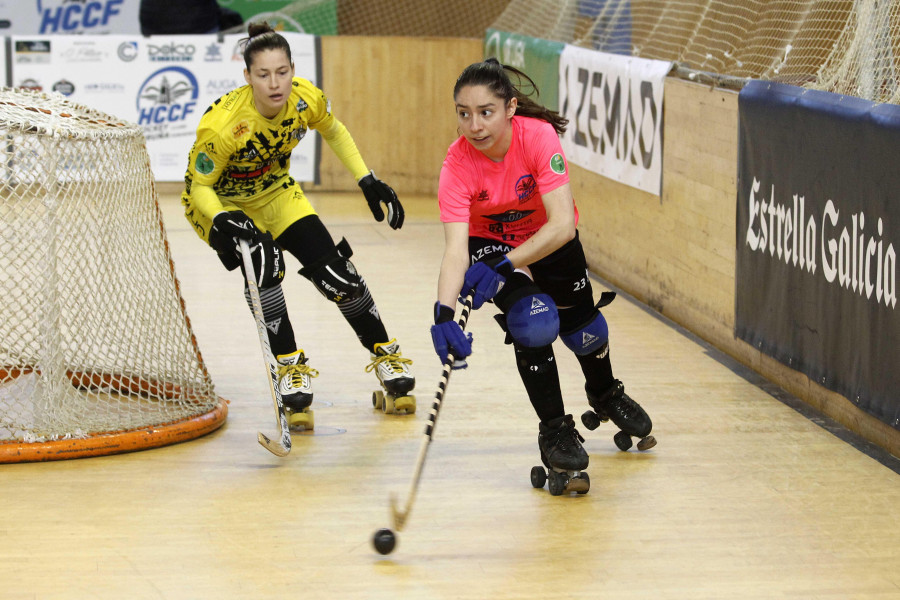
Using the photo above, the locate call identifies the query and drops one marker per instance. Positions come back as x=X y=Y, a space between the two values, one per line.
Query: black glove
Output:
x=376 y=192
x=228 y=227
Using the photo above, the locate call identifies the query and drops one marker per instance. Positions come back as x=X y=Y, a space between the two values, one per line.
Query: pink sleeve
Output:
x=453 y=197
x=551 y=169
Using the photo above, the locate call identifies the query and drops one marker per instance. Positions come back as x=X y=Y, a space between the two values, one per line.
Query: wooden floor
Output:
x=743 y=498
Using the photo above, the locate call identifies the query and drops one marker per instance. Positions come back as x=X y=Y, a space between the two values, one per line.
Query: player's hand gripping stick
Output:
x=276 y=447
x=401 y=514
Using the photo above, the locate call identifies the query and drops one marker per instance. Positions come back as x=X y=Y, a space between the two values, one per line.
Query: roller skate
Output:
x=296 y=393
x=563 y=456
x=393 y=374
x=614 y=404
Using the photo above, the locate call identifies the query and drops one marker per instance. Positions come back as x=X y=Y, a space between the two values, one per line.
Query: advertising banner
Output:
x=54 y=17
x=615 y=108
x=163 y=83
x=817 y=223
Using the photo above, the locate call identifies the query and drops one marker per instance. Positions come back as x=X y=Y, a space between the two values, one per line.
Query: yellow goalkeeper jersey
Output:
x=242 y=155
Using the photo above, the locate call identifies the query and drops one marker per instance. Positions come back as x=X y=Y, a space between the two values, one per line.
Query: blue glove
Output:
x=485 y=278
x=449 y=338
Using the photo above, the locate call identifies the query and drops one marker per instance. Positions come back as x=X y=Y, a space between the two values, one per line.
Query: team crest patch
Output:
x=204 y=164
x=240 y=130
x=558 y=163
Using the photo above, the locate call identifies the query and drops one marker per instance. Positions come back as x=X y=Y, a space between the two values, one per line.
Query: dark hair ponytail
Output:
x=261 y=36
x=495 y=76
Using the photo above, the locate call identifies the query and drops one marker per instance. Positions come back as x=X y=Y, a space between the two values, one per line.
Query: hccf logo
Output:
x=71 y=16
x=167 y=96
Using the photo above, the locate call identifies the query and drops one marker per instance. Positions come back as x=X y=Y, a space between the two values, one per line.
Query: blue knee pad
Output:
x=533 y=320
x=588 y=338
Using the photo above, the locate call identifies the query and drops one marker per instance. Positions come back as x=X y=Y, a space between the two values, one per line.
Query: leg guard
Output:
x=591 y=333
x=334 y=275
x=275 y=316
x=529 y=317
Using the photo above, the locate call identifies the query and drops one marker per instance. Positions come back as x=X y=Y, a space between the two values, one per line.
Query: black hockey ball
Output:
x=384 y=541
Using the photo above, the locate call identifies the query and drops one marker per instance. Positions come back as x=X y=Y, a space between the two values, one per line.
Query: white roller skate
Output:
x=294 y=377
x=393 y=374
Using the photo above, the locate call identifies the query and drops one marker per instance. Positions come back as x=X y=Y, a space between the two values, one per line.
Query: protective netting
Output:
x=94 y=339
x=468 y=18
x=848 y=47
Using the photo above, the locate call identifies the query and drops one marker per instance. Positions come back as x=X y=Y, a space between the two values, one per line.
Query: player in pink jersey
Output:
x=511 y=239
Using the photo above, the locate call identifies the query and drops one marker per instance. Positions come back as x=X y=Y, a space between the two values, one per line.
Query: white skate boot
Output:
x=294 y=377
x=394 y=376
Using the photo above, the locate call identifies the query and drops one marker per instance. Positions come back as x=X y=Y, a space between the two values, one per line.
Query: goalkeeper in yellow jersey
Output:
x=238 y=186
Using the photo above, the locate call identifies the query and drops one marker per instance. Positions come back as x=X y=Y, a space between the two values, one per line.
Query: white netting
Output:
x=93 y=334
x=847 y=47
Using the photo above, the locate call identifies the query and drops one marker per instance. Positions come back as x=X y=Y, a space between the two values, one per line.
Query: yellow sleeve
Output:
x=205 y=199
x=206 y=164
x=332 y=130
x=342 y=144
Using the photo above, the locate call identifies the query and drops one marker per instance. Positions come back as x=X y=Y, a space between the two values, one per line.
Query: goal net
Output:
x=97 y=355
x=843 y=46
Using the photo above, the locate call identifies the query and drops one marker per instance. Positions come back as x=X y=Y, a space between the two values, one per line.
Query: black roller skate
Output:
x=564 y=457
x=294 y=377
x=625 y=413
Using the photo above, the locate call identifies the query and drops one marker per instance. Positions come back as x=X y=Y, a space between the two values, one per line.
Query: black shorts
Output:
x=562 y=275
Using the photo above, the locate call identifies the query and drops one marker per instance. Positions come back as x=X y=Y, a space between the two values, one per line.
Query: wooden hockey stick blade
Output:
x=398 y=517
x=277 y=448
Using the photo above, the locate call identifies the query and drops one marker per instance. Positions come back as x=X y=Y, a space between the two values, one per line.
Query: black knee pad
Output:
x=335 y=276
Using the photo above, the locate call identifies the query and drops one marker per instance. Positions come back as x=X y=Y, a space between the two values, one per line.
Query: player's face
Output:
x=270 y=75
x=484 y=120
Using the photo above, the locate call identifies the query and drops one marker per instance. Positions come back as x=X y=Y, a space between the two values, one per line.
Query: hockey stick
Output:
x=283 y=447
x=400 y=515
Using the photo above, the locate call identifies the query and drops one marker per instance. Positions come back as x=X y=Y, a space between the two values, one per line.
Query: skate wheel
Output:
x=405 y=405
x=538 y=477
x=646 y=443
x=377 y=399
x=557 y=483
x=584 y=483
x=590 y=420
x=623 y=441
x=387 y=406
x=301 y=421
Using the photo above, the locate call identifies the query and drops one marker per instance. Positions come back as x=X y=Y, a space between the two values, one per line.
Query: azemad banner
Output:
x=69 y=16
x=163 y=83
x=615 y=108
x=818 y=227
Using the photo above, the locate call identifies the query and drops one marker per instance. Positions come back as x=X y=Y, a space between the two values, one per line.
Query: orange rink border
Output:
x=118 y=442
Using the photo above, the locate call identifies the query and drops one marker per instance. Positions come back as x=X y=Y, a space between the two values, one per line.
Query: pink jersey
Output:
x=503 y=200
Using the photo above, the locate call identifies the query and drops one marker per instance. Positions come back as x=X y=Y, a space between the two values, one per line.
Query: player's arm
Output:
x=554 y=234
x=446 y=334
x=485 y=278
x=454 y=263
